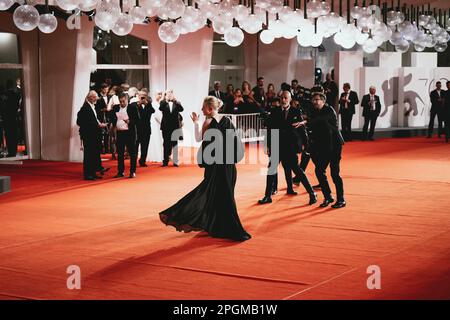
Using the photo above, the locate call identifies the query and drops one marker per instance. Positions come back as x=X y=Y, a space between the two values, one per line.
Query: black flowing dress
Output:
x=211 y=206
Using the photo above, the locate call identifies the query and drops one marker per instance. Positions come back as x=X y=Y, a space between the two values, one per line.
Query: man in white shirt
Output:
x=125 y=118
x=371 y=110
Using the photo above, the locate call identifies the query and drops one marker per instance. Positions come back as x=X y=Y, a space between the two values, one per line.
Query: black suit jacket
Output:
x=365 y=103
x=353 y=97
x=435 y=104
x=132 y=117
x=100 y=107
x=290 y=138
x=221 y=94
x=325 y=134
x=144 y=116
x=447 y=103
x=86 y=120
x=170 y=120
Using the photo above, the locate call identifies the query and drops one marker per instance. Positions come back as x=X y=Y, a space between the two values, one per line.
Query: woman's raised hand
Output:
x=194 y=117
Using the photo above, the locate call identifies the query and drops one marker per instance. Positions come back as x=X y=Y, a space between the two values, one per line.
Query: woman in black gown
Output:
x=211 y=206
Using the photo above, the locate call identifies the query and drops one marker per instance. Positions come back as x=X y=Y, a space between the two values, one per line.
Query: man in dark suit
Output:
x=102 y=111
x=331 y=91
x=144 y=130
x=286 y=120
x=347 y=103
x=259 y=94
x=125 y=118
x=90 y=133
x=326 y=147
x=216 y=92
x=371 y=110
x=9 y=114
x=170 y=122
x=446 y=113
x=437 y=108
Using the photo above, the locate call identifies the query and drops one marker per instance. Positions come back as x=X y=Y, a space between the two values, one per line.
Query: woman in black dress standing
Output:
x=211 y=206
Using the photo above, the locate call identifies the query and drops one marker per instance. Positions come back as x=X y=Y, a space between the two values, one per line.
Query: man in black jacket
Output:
x=125 y=118
x=102 y=110
x=371 y=110
x=90 y=133
x=144 y=130
x=326 y=147
x=437 y=108
x=347 y=103
x=171 y=121
x=216 y=92
x=10 y=114
x=446 y=112
x=287 y=121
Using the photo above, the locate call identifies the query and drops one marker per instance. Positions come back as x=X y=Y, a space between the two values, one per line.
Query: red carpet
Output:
x=397 y=218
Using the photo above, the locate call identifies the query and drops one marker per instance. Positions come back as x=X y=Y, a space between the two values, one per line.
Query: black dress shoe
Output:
x=103 y=170
x=317 y=186
x=291 y=192
x=164 y=165
x=312 y=198
x=326 y=202
x=175 y=165
x=265 y=200
x=91 y=178
x=339 y=204
x=274 y=192
x=143 y=165
x=98 y=177
x=132 y=175
x=119 y=175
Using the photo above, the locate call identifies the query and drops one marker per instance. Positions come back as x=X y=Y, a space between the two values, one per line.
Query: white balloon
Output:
x=106 y=15
x=221 y=24
x=234 y=36
x=402 y=46
x=6 y=4
x=240 y=12
x=419 y=47
x=68 y=5
x=88 y=5
x=26 y=17
x=440 y=47
x=266 y=37
x=47 y=23
x=252 y=24
x=370 y=46
x=138 y=14
x=124 y=25
x=168 y=32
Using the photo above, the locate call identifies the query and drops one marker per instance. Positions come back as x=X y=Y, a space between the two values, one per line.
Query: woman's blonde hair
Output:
x=213 y=102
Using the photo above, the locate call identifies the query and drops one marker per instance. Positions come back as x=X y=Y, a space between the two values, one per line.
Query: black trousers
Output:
x=271 y=182
x=91 y=156
x=126 y=139
x=289 y=161
x=168 y=145
x=10 y=127
x=433 y=113
x=143 y=141
x=346 y=123
x=446 y=117
x=333 y=158
x=372 y=119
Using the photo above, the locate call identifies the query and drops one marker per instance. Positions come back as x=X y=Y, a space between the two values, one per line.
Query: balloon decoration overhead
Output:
x=367 y=26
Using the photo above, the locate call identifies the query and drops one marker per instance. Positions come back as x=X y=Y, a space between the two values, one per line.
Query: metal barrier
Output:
x=249 y=126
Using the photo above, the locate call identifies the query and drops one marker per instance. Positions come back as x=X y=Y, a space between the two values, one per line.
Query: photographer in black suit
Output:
x=125 y=117
x=326 y=147
x=437 y=108
x=171 y=121
x=347 y=103
x=287 y=121
x=144 y=130
x=371 y=110
x=90 y=133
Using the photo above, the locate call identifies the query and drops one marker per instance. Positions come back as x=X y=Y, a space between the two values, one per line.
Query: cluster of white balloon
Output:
x=272 y=18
